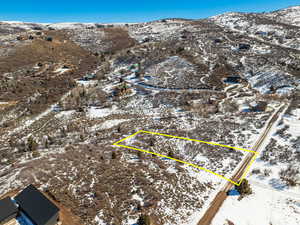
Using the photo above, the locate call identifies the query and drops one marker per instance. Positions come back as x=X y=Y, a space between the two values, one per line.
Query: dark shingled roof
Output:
x=35 y=205
x=7 y=208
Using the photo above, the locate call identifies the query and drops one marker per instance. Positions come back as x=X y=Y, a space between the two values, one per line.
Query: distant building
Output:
x=217 y=41
x=233 y=79
x=260 y=106
x=88 y=77
x=246 y=110
x=244 y=46
x=56 y=108
x=49 y=39
x=262 y=33
x=8 y=210
x=34 y=205
x=146 y=39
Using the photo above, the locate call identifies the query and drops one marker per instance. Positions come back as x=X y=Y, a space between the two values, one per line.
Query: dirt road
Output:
x=221 y=196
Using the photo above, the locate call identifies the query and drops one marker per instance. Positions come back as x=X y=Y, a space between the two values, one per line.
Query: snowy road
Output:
x=221 y=196
x=179 y=90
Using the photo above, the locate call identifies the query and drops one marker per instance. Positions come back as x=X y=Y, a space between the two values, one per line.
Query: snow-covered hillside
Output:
x=69 y=91
x=289 y=15
x=263 y=27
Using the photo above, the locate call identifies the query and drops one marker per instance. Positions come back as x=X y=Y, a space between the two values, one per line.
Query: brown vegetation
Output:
x=27 y=82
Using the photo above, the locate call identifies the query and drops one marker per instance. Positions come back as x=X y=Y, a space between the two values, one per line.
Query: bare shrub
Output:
x=267 y=172
x=256 y=171
x=31 y=144
x=290 y=176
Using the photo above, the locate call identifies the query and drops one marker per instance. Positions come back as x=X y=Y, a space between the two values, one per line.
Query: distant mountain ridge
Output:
x=290 y=15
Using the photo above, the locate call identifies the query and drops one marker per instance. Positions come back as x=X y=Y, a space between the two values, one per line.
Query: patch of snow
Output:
x=264 y=81
x=95 y=112
x=87 y=82
x=61 y=70
x=98 y=219
x=137 y=197
x=109 y=124
x=171 y=169
x=268 y=206
x=4 y=103
x=65 y=114
x=72 y=25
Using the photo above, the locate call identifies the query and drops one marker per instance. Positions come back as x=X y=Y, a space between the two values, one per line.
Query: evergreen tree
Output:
x=244 y=188
x=50 y=140
x=171 y=154
x=113 y=155
x=31 y=144
x=46 y=143
x=144 y=220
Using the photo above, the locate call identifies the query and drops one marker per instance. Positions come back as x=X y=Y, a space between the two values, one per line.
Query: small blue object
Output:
x=163 y=158
x=246 y=110
x=233 y=192
x=56 y=109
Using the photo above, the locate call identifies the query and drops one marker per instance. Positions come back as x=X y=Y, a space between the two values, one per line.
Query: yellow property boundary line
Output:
x=187 y=163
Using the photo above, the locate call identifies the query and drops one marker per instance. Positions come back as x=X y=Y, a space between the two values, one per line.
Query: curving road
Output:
x=141 y=84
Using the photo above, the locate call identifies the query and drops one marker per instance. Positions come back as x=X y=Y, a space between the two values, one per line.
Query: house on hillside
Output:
x=218 y=40
x=261 y=33
x=56 y=108
x=244 y=46
x=36 y=208
x=88 y=77
x=8 y=210
x=134 y=67
x=232 y=79
x=260 y=106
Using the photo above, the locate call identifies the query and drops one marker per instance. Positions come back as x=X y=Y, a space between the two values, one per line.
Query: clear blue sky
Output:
x=128 y=10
